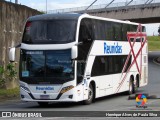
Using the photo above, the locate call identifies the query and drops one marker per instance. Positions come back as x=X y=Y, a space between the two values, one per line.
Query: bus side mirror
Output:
x=74 y=52
x=12 y=54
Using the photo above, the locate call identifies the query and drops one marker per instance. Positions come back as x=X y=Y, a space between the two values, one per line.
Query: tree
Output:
x=8 y=73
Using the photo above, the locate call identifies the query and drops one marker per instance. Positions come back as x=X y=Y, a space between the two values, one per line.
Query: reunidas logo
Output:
x=141 y=100
x=112 y=49
x=44 y=88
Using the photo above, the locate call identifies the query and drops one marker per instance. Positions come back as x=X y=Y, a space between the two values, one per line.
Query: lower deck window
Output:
x=104 y=65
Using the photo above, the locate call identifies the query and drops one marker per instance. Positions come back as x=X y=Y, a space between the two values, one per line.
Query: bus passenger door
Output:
x=109 y=68
x=105 y=76
x=106 y=85
x=82 y=78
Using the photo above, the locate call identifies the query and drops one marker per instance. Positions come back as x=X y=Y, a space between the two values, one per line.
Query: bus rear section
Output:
x=116 y=55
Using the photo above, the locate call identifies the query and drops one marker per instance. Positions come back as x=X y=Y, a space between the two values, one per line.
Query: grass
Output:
x=153 y=43
x=9 y=93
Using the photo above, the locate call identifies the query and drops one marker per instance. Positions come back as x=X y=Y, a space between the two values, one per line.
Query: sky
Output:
x=152 y=29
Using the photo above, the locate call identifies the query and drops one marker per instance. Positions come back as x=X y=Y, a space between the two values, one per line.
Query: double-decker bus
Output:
x=78 y=57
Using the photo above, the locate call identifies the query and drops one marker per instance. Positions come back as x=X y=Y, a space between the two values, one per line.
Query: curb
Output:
x=6 y=98
x=156 y=60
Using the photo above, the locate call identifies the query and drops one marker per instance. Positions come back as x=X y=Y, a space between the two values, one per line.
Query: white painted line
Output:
x=154 y=51
x=56 y=118
x=155 y=61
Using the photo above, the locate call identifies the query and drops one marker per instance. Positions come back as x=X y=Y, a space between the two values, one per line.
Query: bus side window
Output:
x=110 y=61
x=129 y=62
x=108 y=65
x=143 y=29
x=85 y=34
x=133 y=28
x=100 y=30
x=102 y=65
x=118 y=32
x=125 y=29
x=98 y=67
x=109 y=30
x=117 y=64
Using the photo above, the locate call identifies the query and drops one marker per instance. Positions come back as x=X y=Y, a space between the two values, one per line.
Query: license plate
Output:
x=44 y=97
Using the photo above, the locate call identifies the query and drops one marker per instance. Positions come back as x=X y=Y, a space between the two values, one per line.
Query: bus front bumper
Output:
x=69 y=96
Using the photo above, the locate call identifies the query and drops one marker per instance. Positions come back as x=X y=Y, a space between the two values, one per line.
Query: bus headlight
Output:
x=25 y=88
x=65 y=89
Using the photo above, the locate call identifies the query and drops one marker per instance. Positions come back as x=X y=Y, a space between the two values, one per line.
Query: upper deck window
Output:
x=49 y=32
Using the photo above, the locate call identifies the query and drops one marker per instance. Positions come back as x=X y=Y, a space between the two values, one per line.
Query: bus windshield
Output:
x=55 y=64
x=49 y=32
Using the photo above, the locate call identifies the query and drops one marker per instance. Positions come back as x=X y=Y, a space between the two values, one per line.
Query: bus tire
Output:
x=43 y=104
x=131 y=87
x=90 y=95
x=136 y=84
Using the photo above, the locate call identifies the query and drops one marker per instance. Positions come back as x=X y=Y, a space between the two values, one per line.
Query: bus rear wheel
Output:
x=90 y=95
x=43 y=104
x=131 y=87
x=136 y=84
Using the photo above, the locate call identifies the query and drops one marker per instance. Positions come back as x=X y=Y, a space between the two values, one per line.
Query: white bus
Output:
x=78 y=57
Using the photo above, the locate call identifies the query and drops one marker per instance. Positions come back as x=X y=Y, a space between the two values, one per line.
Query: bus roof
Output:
x=75 y=16
x=55 y=16
x=110 y=19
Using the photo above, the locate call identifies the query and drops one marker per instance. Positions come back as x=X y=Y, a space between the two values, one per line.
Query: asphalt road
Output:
x=118 y=102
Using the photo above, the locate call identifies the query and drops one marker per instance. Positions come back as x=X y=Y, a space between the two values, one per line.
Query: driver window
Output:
x=80 y=71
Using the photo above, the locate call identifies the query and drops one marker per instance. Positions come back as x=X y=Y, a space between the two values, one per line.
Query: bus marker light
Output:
x=65 y=89
x=70 y=96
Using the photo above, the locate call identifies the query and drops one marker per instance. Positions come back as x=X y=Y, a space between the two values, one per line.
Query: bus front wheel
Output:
x=90 y=95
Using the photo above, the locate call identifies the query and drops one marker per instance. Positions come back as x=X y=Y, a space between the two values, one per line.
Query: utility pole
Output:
x=90 y=5
x=46 y=6
x=16 y=1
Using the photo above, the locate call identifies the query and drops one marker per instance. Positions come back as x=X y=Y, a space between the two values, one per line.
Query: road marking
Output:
x=153 y=51
x=155 y=61
x=54 y=118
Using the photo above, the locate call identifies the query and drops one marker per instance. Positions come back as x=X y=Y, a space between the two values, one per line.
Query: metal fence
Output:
x=102 y=6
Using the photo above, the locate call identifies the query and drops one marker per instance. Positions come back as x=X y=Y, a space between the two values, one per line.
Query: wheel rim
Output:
x=130 y=87
x=90 y=94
